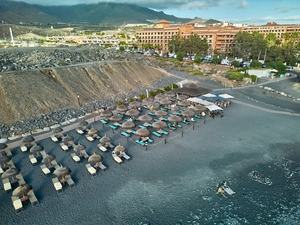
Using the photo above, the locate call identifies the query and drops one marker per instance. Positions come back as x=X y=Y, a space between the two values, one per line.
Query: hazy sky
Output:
x=235 y=11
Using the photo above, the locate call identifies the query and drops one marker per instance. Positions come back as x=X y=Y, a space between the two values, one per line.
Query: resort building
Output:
x=219 y=36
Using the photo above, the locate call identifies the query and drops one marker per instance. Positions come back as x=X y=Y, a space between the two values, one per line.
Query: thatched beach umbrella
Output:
x=4 y=159
x=105 y=139
x=184 y=103
x=198 y=108
x=93 y=131
x=115 y=118
x=181 y=97
x=22 y=190
x=62 y=172
x=152 y=105
x=134 y=104
x=188 y=113
x=67 y=138
x=145 y=118
x=36 y=149
x=122 y=108
x=3 y=146
x=143 y=132
x=149 y=99
x=132 y=112
x=159 y=97
x=159 y=125
x=58 y=131
x=165 y=101
x=28 y=139
x=95 y=158
x=48 y=159
x=106 y=113
x=174 y=108
x=11 y=172
x=174 y=118
x=160 y=113
x=79 y=147
x=120 y=148
x=83 y=123
x=169 y=94
x=128 y=125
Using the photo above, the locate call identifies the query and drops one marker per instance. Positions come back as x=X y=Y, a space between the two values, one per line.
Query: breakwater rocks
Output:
x=279 y=93
x=24 y=59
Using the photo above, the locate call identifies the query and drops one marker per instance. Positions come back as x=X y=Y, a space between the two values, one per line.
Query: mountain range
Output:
x=108 y=14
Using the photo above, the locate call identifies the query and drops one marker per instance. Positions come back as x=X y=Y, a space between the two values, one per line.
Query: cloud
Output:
x=244 y=4
x=264 y=20
x=286 y=9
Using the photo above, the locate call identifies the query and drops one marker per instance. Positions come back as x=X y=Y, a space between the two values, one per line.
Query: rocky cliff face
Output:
x=29 y=94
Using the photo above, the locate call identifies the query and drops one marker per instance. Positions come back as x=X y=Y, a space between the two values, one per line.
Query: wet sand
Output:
x=175 y=183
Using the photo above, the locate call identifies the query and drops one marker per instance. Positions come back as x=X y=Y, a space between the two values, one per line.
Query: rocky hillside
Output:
x=29 y=94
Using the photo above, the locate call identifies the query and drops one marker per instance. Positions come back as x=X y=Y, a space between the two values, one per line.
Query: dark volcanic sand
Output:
x=175 y=183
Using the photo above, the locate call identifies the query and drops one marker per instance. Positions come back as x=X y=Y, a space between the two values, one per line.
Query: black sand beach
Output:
x=175 y=183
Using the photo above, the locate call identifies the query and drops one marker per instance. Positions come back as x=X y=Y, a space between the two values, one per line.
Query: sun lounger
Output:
x=101 y=166
x=20 y=179
x=120 y=115
x=32 y=198
x=164 y=132
x=164 y=109
x=89 y=138
x=23 y=148
x=141 y=126
x=11 y=164
x=6 y=184
x=96 y=136
x=147 y=124
x=70 y=181
x=32 y=159
x=54 y=139
x=64 y=147
x=109 y=145
x=155 y=120
x=117 y=124
x=43 y=153
x=178 y=113
x=84 y=154
x=140 y=142
x=54 y=164
x=57 y=184
x=91 y=169
x=145 y=107
x=8 y=152
x=163 y=119
x=197 y=116
x=186 y=122
x=103 y=121
x=116 y=158
x=45 y=169
x=75 y=157
x=156 y=134
x=125 y=156
x=133 y=131
x=101 y=147
x=112 y=126
x=79 y=131
x=124 y=133
x=151 y=113
x=17 y=203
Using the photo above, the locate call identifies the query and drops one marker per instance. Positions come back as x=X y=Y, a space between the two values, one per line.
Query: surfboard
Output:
x=228 y=190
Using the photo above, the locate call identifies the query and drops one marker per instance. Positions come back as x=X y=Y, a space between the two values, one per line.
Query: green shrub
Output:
x=119 y=103
x=234 y=75
x=216 y=60
x=197 y=59
x=143 y=96
x=122 y=48
x=175 y=85
x=152 y=93
x=179 y=56
x=236 y=64
x=255 y=64
x=253 y=78
x=131 y=100
x=167 y=88
x=159 y=91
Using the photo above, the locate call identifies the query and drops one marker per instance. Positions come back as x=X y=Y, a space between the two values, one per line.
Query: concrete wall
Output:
x=260 y=72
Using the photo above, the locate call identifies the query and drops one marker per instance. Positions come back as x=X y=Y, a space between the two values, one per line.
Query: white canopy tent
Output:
x=209 y=95
x=199 y=101
x=226 y=96
x=213 y=107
